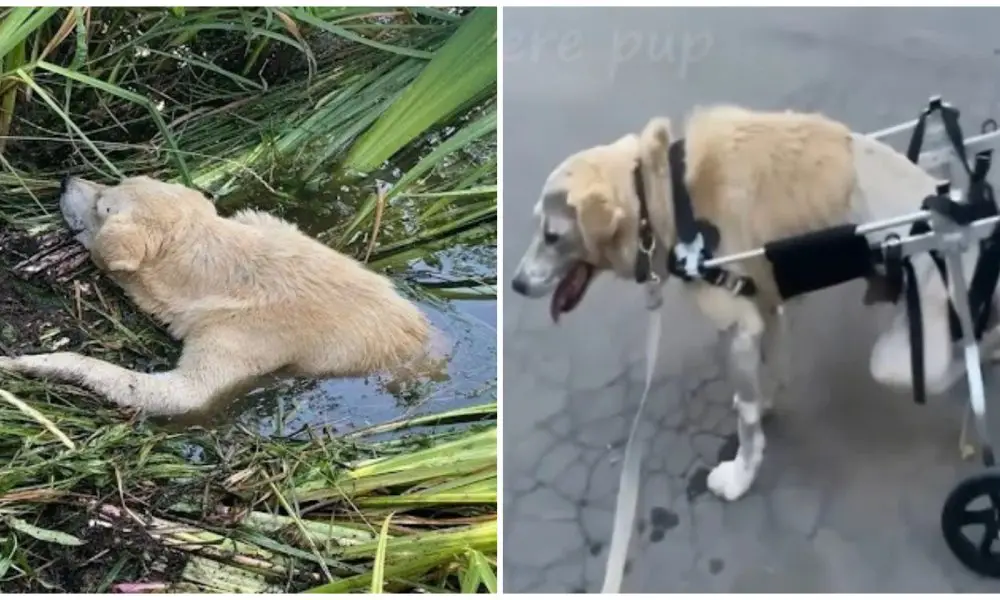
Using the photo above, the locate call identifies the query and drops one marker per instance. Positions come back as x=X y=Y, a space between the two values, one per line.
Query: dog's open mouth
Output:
x=570 y=290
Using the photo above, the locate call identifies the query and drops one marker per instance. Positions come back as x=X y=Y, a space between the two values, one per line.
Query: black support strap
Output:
x=901 y=268
x=980 y=204
x=949 y=116
x=695 y=238
x=902 y=277
x=687 y=228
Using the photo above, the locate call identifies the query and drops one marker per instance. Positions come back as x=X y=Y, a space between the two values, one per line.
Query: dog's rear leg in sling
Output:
x=731 y=479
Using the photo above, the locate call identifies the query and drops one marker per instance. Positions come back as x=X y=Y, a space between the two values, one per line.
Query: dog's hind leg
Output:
x=731 y=479
x=203 y=373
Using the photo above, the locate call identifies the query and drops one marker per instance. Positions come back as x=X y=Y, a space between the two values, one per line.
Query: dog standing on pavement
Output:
x=757 y=177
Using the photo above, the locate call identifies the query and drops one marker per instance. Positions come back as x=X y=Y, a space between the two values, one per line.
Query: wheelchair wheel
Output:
x=970 y=521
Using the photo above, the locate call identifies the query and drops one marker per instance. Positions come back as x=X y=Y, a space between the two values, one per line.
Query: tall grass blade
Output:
x=462 y=71
x=262 y=107
x=478 y=572
x=66 y=119
x=37 y=416
x=42 y=534
x=378 y=571
x=21 y=22
x=303 y=15
x=114 y=90
x=483 y=126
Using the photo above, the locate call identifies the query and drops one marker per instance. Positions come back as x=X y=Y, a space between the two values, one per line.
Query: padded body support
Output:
x=819 y=259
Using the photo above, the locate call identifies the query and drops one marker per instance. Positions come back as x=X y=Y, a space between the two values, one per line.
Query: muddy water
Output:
x=345 y=404
x=468 y=324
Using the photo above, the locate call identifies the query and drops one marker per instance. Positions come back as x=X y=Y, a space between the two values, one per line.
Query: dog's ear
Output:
x=654 y=141
x=123 y=244
x=598 y=216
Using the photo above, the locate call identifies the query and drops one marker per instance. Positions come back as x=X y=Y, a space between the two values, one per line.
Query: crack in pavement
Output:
x=584 y=444
x=831 y=509
x=559 y=505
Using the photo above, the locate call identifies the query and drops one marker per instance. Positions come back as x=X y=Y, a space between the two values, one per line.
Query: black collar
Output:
x=647 y=237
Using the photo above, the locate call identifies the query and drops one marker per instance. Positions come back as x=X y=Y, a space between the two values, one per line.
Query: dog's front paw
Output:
x=731 y=479
x=28 y=363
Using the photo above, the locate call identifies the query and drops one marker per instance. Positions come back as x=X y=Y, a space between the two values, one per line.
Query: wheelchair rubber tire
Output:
x=981 y=551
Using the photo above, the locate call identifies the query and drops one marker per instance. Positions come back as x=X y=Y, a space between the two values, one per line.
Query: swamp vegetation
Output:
x=374 y=129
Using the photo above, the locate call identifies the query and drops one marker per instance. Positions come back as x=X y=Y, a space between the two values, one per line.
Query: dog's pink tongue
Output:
x=555 y=304
x=570 y=290
x=560 y=297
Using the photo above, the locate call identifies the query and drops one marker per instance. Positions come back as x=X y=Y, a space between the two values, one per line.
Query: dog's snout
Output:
x=520 y=285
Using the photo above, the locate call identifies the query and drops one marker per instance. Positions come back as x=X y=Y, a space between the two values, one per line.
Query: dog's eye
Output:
x=551 y=238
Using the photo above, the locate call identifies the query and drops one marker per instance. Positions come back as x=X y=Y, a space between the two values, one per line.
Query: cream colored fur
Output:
x=758 y=177
x=249 y=295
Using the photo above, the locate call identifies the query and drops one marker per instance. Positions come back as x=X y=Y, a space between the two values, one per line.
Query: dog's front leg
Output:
x=121 y=386
x=106 y=379
x=211 y=367
x=731 y=479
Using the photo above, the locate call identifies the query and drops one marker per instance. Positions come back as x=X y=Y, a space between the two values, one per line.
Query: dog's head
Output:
x=587 y=218
x=125 y=225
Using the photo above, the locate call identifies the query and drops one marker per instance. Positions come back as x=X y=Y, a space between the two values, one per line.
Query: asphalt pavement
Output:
x=854 y=476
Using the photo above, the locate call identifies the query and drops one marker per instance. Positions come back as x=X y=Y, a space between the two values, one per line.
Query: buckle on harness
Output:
x=689 y=256
x=734 y=284
x=737 y=285
x=647 y=249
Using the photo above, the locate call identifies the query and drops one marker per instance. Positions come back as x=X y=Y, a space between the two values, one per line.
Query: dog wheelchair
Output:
x=951 y=222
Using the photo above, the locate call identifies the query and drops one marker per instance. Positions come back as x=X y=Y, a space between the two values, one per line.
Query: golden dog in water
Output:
x=249 y=296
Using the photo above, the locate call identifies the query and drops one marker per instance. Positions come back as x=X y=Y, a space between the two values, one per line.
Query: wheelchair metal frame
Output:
x=951 y=240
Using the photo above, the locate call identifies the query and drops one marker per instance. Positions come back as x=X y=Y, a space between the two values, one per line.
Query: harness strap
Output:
x=987 y=272
x=916 y=332
x=899 y=271
x=696 y=238
x=901 y=275
x=981 y=203
x=687 y=228
x=949 y=116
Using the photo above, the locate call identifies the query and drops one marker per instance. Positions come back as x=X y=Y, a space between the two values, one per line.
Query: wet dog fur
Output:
x=758 y=177
x=250 y=296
